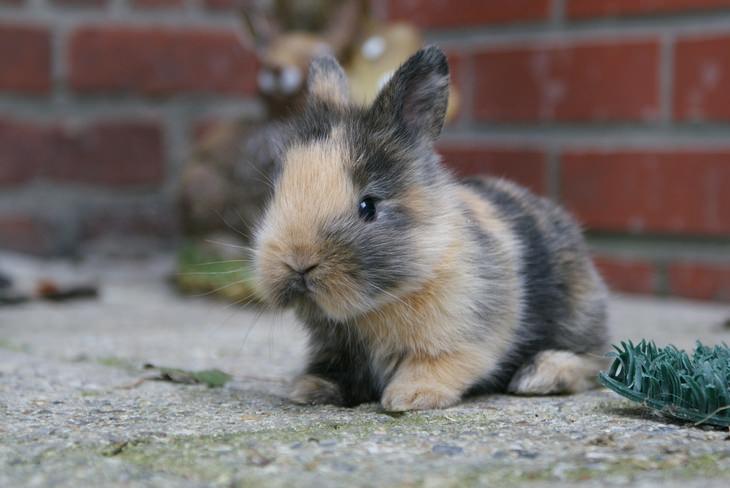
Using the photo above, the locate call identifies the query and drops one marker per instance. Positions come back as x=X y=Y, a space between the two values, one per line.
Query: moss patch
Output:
x=118 y=363
x=11 y=346
x=201 y=272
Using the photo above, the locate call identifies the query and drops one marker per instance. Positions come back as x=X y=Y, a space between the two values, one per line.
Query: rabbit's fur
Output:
x=449 y=288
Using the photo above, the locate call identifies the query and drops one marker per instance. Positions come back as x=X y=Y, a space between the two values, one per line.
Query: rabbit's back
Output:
x=563 y=296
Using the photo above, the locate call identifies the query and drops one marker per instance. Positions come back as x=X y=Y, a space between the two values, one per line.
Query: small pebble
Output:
x=447 y=449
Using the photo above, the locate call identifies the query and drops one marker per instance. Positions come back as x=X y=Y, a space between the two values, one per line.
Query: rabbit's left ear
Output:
x=327 y=81
x=415 y=97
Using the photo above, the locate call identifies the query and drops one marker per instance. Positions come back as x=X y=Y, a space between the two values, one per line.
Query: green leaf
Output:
x=213 y=378
x=667 y=379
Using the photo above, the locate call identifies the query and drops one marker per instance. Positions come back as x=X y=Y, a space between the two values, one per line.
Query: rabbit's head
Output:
x=361 y=208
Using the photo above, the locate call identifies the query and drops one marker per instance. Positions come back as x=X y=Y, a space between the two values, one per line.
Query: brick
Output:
x=25 y=59
x=148 y=221
x=221 y=4
x=700 y=281
x=701 y=77
x=526 y=167
x=205 y=127
x=627 y=275
x=24 y=233
x=114 y=153
x=160 y=61
x=79 y=3
x=153 y=4
x=467 y=13
x=576 y=82
x=580 y=9
x=681 y=192
x=23 y=148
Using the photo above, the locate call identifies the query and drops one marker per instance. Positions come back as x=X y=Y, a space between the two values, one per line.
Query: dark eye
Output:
x=366 y=209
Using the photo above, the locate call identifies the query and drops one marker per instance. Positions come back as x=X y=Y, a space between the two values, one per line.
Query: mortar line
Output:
x=552 y=161
x=557 y=13
x=666 y=77
x=468 y=92
x=598 y=30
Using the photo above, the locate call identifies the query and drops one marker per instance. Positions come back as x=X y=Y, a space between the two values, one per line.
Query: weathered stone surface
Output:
x=73 y=413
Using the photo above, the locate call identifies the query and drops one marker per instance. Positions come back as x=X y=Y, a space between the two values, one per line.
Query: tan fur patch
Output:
x=416 y=321
x=488 y=217
x=553 y=372
x=328 y=86
x=418 y=202
x=314 y=187
x=313 y=190
x=424 y=382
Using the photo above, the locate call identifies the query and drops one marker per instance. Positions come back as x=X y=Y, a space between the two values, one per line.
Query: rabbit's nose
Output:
x=305 y=270
x=301 y=282
x=302 y=265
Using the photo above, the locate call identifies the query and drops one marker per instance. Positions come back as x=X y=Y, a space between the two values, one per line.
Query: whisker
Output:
x=208 y=273
x=243 y=221
x=249 y=298
x=387 y=293
x=228 y=244
x=216 y=290
x=256 y=319
x=243 y=301
x=224 y=262
x=237 y=231
x=267 y=179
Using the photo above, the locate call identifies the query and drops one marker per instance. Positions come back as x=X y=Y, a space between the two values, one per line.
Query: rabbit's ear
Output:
x=260 y=28
x=327 y=81
x=345 y=25
x=415 y=97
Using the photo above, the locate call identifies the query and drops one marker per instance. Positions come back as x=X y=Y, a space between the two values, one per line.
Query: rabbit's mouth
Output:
x=297 y=286
x=334 y=294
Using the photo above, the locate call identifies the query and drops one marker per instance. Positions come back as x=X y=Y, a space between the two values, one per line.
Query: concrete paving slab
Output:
x=73 y=412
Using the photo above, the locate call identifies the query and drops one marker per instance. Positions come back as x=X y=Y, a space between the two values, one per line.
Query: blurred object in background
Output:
x=21 y=281
x=288 y=34
x=619 y=109
x=227 y=181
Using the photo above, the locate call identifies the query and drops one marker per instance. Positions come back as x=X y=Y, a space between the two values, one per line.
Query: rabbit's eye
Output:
x=366 y=209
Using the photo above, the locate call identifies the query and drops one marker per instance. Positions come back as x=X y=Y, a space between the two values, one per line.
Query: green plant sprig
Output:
x=694 y=389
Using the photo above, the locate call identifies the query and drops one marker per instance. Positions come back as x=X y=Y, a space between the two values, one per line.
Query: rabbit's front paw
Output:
x=313 y=390
x=401 y=396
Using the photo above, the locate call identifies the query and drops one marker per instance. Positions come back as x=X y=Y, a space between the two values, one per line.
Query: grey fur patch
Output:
x=327 y=81
x=560 y=312
x=415 y=98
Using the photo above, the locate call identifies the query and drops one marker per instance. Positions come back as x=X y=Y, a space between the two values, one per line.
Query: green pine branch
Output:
x=693 y=388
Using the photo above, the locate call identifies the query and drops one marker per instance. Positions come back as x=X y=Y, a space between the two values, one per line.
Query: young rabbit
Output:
x=417 y=289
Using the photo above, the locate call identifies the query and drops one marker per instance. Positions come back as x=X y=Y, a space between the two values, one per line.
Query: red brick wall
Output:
x=618 y=108
x=98 y=103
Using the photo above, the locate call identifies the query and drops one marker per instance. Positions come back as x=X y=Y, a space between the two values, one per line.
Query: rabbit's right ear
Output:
x=345 y=25
x=415 y=98
x=260 y=28
x=327 y=81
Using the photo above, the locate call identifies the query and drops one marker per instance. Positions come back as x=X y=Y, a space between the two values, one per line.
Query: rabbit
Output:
x=417 y=289
x=221 y=188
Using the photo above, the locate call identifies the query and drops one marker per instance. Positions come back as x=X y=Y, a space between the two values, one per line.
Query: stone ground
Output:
x=73 y=413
